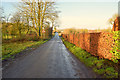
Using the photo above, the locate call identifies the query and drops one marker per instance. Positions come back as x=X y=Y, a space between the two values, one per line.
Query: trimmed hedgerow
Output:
x=100 y=66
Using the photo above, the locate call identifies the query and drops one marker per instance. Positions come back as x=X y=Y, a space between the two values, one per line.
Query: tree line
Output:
x=32 y=16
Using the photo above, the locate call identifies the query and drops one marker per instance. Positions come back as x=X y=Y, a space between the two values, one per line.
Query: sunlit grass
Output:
x=7 y=37
x=100 y=66
x=10 y=49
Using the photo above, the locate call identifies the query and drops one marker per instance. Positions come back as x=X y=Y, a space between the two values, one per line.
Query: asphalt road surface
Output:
x=50 y=60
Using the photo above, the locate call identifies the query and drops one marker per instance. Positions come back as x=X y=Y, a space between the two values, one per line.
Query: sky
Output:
x=82 y=14
x=68 y=0
x=90 y=15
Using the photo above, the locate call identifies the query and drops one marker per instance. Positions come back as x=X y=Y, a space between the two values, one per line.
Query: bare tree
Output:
x=112 y=19
x=38 y=12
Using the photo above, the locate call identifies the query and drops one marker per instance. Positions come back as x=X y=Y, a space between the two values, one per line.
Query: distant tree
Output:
x=112 y=19
x=18 y=23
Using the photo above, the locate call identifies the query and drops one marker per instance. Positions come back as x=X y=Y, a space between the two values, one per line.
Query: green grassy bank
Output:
x=103 y=67
x=9 y=50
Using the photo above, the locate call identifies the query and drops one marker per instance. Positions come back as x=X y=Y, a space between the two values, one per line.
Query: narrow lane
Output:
x=50 y=60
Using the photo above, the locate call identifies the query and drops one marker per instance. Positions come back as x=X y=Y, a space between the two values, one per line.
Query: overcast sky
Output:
x=90 y=14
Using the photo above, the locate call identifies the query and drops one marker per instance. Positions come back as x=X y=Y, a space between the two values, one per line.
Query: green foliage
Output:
x=99 y=65
x=116 y=47
x=110 y=72
x=11 y=49
x=99 y=71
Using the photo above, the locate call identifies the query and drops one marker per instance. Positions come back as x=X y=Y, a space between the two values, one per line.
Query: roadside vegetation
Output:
x=32 y=24
x=103 y=67
x=9 y=50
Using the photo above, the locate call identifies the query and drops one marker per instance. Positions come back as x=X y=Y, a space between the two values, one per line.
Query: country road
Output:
x=50 y=60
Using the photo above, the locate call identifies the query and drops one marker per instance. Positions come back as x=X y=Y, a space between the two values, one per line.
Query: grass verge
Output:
x=103 y=67
x=9 y=50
